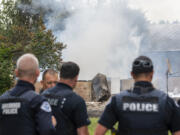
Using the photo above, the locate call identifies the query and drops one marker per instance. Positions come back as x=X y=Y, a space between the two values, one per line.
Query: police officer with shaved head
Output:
x=144 y=110
x=22 y=111
x=68 y=108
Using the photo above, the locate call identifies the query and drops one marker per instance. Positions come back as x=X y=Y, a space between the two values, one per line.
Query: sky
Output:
x=157 y=10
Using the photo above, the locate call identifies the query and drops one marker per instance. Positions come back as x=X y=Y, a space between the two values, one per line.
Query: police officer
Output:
x=143 y=110
x=68 y=108
x=22 y=111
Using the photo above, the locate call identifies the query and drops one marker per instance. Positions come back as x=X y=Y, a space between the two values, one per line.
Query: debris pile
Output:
x=100 y=89
x=95 y=109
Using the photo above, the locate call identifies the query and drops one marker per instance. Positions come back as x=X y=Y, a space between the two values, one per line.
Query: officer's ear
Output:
x=76 y=78
x=16 y=72
x=133 y=76
x=37 y=72
x=151 y=75
x=74 y=81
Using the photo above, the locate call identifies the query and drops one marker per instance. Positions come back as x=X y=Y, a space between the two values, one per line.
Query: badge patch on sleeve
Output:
x=46 y=107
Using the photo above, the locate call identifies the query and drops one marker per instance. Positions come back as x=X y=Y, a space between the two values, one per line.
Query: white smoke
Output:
x=164 y=44
x=101 y=36
x=106 y=35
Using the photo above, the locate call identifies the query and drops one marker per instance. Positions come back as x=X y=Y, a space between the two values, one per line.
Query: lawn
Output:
x=92 y=126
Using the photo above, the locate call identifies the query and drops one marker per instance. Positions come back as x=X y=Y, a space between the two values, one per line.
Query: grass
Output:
x=93 y=124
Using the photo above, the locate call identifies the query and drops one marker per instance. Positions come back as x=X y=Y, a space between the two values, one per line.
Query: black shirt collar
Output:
x=142 y=87
x=63 y=86
x=26 y=84
x=21 y=87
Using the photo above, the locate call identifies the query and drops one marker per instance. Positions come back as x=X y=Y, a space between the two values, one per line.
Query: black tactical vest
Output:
x=141 y=114
x=64 y=125
x=16 y=116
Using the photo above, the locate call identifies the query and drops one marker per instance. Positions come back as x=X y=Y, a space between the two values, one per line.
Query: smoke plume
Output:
x=102 y=36
x=106 y=35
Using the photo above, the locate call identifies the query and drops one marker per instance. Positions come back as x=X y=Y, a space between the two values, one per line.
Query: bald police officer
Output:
x=143 y=110
x=22 y=111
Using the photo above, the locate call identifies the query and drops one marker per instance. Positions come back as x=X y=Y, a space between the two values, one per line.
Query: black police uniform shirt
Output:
x=31 y=118
x=149 y=116
x=73 y=106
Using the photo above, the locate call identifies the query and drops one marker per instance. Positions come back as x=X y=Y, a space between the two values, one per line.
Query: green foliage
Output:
x=93 y=125
x=22 y=32
x=6 y=68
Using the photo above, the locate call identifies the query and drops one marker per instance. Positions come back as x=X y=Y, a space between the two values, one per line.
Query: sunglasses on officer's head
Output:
x=142 y=63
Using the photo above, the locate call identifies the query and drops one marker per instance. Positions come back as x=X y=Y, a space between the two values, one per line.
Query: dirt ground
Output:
x=95 y=109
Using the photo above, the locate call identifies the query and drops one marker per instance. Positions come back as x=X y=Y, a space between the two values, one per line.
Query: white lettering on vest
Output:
x=10 y=108
x=53 y=101
x=140 y=107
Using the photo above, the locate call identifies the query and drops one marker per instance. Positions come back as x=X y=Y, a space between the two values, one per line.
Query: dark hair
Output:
x=69 y=70
x=49 y=71
x=142 y=64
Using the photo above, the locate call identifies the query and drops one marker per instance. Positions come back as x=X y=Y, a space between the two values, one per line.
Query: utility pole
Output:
x=168 y=72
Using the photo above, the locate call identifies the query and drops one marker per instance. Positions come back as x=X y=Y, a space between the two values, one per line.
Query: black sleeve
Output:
x=109 y=118
x=174 y=116
x=178 y=102
x=80 y=117
x=43 y=115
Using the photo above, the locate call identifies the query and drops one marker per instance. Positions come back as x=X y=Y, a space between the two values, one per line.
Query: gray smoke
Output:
x=102 y=36
x=54 y=12
x=106 y=35
x=164 y=44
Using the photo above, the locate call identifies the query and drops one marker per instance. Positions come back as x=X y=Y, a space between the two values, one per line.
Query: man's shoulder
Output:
x=74 y=99
x=30 y=96
x=73 y=96
x=33 y=97
x=78 y=97
x=128 y=91
x=122 y=93
x=64 y=93
x=4 y=94
x=36 y=99
x=160 y=91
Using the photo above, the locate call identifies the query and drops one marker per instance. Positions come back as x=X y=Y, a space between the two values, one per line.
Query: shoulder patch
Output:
x=46 y=106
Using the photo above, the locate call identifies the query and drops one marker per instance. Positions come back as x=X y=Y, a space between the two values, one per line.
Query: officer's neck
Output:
x=30 y=80
x=142 y=80
x=69 y=82
x=143 y=77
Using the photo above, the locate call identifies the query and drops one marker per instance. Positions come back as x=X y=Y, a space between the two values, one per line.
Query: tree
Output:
x=6 y=68
x=22 y=32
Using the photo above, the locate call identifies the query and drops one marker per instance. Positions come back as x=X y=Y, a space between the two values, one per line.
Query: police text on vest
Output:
x=140 y=107
x=10 y=108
